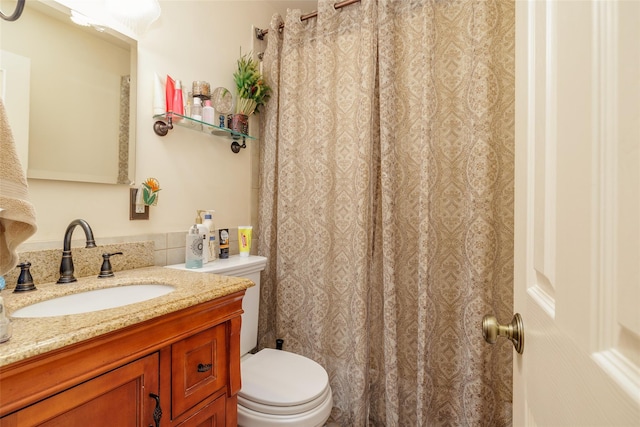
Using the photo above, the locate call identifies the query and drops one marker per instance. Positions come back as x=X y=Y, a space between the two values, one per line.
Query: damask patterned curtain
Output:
x=386 y=205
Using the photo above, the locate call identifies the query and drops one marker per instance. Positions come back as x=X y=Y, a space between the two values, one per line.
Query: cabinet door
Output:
x=212 y=415
x=117 y=398
x=198 y=368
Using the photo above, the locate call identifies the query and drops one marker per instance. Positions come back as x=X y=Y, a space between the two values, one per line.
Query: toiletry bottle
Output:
x=178 y=102
x=159 y=102
x=208 y=113
x=170 y=93
x=244 y=239
x=208 y=222
x=196 y=109
x=224 y=243
x=204 y=233
x=188 y=108
x=193 y=248
x=5 y=323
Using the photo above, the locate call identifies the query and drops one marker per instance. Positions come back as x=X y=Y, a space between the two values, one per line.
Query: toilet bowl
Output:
x=279 y=388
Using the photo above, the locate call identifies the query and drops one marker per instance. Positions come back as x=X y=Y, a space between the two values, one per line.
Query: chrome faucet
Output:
x=66 y=266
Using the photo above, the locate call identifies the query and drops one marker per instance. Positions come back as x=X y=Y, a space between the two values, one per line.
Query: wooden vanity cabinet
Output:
x=189 y=359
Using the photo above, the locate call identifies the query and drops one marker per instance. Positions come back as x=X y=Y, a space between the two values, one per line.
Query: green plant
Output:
x=251 y=88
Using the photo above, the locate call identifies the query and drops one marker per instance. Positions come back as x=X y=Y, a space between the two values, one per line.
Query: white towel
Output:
x=17 y=215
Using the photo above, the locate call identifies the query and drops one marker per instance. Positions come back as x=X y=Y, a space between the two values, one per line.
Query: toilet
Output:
x=279 y=388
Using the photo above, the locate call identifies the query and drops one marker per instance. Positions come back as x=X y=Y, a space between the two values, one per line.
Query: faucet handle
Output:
x=105 y=270
x=25 y=281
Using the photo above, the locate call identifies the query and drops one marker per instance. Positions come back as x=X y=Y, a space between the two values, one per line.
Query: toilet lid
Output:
x=279 y=378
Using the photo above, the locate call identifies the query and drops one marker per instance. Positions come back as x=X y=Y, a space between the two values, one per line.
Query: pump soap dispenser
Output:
x=193 y=248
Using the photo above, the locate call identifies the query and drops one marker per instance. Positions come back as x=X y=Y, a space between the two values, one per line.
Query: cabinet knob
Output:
x=157 y=413
x=202 y=367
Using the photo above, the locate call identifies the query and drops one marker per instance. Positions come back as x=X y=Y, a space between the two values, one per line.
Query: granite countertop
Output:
x=34 y=336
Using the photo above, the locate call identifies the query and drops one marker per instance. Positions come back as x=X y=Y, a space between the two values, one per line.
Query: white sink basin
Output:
x=99 y=299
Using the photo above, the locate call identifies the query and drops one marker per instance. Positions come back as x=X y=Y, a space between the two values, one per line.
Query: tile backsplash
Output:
x=143 y=250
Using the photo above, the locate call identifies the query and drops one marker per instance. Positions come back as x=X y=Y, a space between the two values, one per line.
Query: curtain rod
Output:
x=261 y=33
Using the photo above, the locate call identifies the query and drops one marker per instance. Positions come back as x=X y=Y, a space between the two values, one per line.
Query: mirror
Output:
x=69 y=91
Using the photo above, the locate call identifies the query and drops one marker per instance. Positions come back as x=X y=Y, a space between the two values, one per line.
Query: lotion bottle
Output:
x=170 y=93
x=204 y=235
x=211 y=231
x=193 y=248
x=178 y=101
x=159 y=100
x=208 y=113
x=196 y=110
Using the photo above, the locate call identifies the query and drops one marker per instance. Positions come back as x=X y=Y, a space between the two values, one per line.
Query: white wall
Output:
x=192 y=40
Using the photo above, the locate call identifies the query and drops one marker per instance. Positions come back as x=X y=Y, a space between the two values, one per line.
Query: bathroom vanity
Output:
x=178 y=354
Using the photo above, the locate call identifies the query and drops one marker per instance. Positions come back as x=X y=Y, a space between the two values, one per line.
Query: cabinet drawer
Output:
x=212 y=415
x=198 y=368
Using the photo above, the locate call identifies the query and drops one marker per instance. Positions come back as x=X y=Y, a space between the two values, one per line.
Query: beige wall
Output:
x=192 y=40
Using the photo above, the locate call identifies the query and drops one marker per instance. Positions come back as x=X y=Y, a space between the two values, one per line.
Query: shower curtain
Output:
x=386 y=205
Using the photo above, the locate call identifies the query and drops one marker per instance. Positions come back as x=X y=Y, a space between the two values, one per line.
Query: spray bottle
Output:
x=211 y=230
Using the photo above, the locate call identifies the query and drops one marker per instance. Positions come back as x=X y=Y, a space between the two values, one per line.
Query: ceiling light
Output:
x=136 y=15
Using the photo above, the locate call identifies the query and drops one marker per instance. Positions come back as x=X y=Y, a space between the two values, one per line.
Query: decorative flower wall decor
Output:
x=150 y=190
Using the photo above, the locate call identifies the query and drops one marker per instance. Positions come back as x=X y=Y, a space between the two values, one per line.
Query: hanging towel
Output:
x=17 y=215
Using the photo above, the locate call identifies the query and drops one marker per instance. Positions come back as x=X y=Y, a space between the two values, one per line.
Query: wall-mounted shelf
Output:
x=165 y=122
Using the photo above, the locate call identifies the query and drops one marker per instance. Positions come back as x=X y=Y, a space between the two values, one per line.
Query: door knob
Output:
x=514 y=331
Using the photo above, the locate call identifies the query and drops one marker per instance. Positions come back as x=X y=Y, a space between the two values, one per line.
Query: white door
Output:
x=577 y=210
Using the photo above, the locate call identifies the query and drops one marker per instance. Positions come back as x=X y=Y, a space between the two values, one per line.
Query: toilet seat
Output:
x=282 y=380
x=280 y=383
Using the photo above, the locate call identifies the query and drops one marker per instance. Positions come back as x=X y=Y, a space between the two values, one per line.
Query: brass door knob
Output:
x=514 y=331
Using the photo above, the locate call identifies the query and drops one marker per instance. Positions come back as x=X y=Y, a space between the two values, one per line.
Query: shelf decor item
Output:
x=238 y=123
x=252 y=93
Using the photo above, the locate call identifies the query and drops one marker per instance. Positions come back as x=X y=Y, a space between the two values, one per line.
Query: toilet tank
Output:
x=245 y=267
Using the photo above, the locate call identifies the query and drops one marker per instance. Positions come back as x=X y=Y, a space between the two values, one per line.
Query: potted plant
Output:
x=252 y=93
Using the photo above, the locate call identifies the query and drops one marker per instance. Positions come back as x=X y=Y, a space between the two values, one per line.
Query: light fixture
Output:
x=131 y=16
x=83 y=20
x=136 y=15
x=80 y=19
